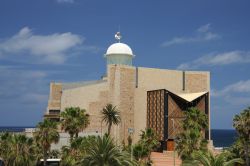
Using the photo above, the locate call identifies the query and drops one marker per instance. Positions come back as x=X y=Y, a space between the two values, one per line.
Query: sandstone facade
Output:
x=125 y=87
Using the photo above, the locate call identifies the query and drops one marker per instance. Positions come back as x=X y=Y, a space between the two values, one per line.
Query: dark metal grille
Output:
x=155 y=111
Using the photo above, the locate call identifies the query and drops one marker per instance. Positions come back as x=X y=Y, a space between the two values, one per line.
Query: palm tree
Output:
x=147 y=143
x=149 y=139
x=38 y=151
x=184 y=141
x=17 y=150
x=22 y=150
x=45 y=135
x=195 y=119
x=54 y=153
x=241 y=123
x=140 y=152
x=71 y=155
x=74 y=120
x=111 y=116
x=208 y=159
x=191 y=138
x=103 y=152
x=236 y=150
x=5 y=147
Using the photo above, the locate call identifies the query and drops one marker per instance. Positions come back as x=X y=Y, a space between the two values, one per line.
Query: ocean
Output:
x=14 y=128
x=221 y=138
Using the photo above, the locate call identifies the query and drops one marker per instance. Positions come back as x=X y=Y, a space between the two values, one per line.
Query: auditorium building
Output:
x=146 y=97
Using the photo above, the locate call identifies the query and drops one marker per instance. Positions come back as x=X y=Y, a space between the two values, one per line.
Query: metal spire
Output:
x=118 y=37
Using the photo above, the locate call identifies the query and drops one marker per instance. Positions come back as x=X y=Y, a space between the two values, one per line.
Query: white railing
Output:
x=29 y=130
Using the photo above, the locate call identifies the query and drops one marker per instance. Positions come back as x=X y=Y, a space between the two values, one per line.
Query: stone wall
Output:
x=152 y=78
x=82 y=96
x=92 y=98
x=121 y=87
x=95 y=109
x=127 y=87
x=197 y=81
x=121 y=91
x=54 y=102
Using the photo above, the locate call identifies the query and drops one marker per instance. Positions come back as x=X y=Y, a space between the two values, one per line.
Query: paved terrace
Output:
x=165 y=159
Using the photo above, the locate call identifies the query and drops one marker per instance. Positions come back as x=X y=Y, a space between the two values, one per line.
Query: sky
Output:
x=42 y=41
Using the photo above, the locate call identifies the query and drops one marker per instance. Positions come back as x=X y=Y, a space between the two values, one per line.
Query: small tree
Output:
x=140 y=152
x=71 y=155
x=149 y=139
x=147 y=143
x=45 y=135
x=191 y=138
x=74 y=120
x=111 y=116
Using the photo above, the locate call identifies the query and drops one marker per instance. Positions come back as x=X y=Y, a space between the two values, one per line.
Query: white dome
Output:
x=119 y=48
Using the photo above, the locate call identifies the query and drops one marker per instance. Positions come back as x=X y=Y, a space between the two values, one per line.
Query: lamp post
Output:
x=101 y=127
x=117 y=135
x=131 y=146
x=130 y=132
x=173 y=138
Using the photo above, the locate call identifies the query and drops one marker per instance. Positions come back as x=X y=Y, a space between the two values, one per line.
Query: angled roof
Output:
x=190 y=96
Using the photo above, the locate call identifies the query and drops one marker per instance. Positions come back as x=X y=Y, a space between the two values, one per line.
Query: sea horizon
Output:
x=220 y=137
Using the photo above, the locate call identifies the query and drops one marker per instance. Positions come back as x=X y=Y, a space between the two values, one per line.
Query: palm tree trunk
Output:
x=109 y=128
x=44 y=157
x=148 y=157
x=247 y=154
x=71 y=137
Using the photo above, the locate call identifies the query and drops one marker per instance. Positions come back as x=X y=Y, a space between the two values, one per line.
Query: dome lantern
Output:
x=119 y=53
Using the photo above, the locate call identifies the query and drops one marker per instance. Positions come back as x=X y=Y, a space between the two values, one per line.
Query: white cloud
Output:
x=203 y=33
x=204 y=28
x=45 y=48
x=238 y=87
x=239 y=100
x=237 y=93
x=233 y=57
x=65 y=1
